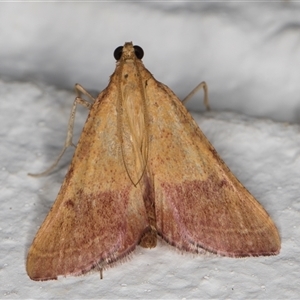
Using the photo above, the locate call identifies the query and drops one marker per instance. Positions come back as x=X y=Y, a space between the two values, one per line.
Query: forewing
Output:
x=99 y=214
x=199 y=203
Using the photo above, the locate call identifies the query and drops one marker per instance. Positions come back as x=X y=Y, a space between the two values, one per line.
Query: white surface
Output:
x=248 y=54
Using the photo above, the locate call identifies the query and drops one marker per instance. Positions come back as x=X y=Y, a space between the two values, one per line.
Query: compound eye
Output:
x=118 y=52
x=139 y=52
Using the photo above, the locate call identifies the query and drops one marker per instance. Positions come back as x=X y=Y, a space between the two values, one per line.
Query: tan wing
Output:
x=199 y=203
x=99 y=215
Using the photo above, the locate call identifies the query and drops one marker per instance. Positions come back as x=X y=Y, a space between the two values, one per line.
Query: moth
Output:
x=142 y=168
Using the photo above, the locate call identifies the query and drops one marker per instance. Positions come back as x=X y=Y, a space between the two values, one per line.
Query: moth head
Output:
x=128 y=51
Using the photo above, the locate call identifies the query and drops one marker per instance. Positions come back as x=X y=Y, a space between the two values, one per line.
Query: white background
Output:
x=249 y=55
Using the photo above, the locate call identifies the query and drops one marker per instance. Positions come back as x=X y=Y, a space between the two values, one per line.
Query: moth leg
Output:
x=100 y=268
x=203 y=86
x=79 y=89
x=68 y=142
